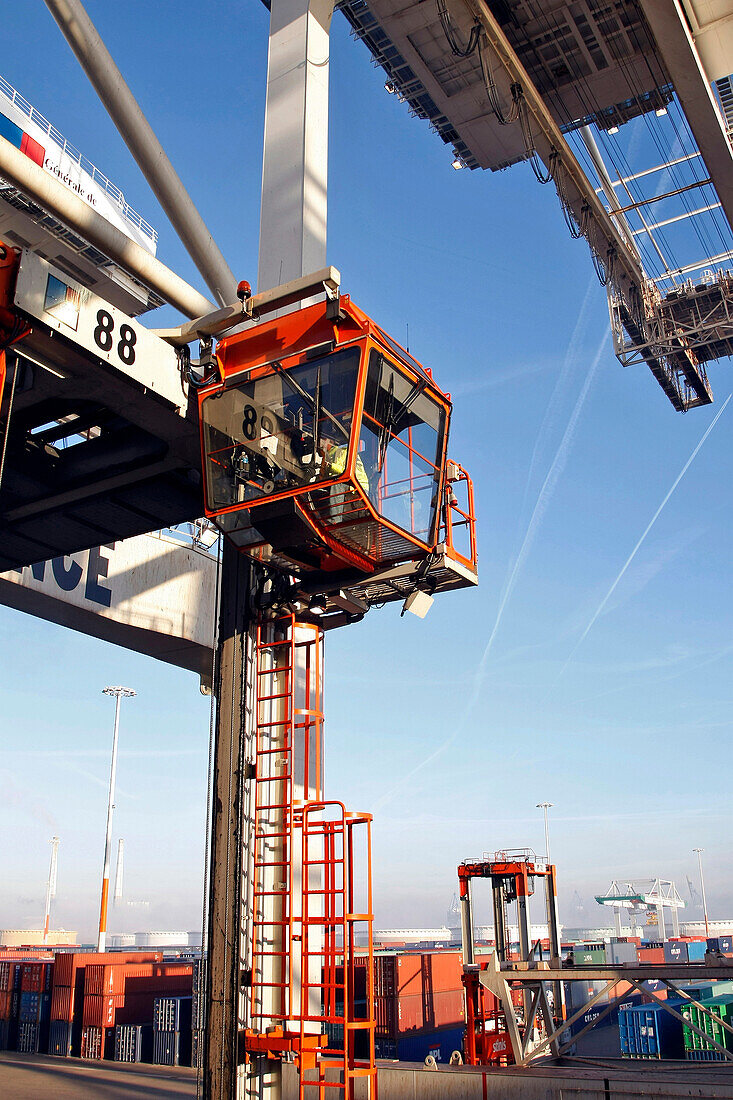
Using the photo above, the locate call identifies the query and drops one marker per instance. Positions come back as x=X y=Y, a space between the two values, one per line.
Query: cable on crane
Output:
x=450 y=32
x=492 y=92
x=541 y=175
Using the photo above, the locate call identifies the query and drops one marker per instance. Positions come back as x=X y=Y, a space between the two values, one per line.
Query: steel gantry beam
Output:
x=125 y=112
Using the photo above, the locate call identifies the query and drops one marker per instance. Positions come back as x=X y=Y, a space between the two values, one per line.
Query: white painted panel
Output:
x=45 y=292
x=151 y=594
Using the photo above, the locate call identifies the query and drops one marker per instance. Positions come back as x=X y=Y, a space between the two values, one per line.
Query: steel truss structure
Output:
x=559 y=1040
x=681 y=331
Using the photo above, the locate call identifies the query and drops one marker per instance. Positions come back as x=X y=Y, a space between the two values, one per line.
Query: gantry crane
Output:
x=493 y=1033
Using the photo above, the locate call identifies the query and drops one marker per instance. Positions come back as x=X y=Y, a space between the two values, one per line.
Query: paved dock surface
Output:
x=37 y=1077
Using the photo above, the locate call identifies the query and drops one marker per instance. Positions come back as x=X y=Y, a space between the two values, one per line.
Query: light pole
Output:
x=119 y=693
x=546 y=806
x=702 y=887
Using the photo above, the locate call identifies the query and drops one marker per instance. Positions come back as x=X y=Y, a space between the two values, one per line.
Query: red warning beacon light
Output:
x=324 y=449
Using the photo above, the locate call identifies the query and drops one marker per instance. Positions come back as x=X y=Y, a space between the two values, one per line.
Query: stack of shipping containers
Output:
x=10 y=975
x=419 y=1005
x=172 y=1031
x=34 y=1010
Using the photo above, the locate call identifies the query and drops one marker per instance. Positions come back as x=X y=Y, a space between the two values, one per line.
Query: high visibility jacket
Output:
x=337 y=464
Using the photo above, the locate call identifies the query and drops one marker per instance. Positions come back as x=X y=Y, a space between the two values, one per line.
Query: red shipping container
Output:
x=62 y=1003
x=36 y=977
x=417 y=1013
x=7 y=975
x=428 y=972
x=650 y=956
x=169 y=981
x=110 y=978
x=68 y=962
x=100 y=1010
x=6 y=1002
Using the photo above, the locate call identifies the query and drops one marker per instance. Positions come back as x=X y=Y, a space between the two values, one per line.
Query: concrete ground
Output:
x=37 y=1077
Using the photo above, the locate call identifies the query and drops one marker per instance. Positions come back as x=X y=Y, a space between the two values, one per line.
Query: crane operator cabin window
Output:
x=281 y=431
x=401 y=445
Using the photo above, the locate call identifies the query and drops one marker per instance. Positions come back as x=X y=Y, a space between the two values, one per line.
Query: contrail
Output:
x=652 y=521
x=552 y=407
x=543 y=499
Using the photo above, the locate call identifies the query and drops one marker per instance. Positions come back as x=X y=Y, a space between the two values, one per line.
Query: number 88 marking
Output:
x=103 y=337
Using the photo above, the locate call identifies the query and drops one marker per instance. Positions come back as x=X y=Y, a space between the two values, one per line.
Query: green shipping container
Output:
x=589 y=955
x=696 y=1047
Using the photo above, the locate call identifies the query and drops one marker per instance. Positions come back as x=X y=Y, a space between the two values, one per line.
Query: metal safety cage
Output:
x=324 y=444
x=337 y=994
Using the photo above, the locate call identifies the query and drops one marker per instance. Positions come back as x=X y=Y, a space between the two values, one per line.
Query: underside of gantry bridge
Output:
x=547 y=81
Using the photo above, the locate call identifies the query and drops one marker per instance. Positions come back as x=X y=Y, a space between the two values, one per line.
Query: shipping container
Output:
x=651 y=956
x=621 y=953
x=7 y=1035
x=29 y=1038
x=6 y=1005
x=172 y=1014
x=36 y=977
x=675 y=951
x=696 y=1047
x=91 y=1043
x=591 y=954
x=133 y=1043
x=34 y=1008
x=417 y=1047
x=696 y=951
x=166 y=1048
x=100 y=1011
x=59 y=1041
x=649 y=1031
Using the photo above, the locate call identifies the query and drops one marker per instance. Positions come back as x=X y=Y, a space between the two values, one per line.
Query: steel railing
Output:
x=73 y=153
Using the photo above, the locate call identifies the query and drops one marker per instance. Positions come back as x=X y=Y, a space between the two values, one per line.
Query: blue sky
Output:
x=450 y=729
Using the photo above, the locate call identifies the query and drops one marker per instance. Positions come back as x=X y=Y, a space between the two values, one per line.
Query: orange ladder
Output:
x=331 y=975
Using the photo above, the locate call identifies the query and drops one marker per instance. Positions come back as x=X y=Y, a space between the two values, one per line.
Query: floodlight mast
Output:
x=125 y=112
x=702 y=887
x=118 y=693
x=50 y=886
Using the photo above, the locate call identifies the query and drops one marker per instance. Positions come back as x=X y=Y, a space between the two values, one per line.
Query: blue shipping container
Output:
x=696 y=951
x=59 y=1040
x=610 y=1019
x=649 y=1031
x=172 y=1014
x=416 y=1048
x=675 y=951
